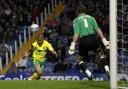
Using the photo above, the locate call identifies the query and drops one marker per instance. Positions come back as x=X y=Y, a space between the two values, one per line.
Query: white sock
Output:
x=88 y=73
x=106 y=68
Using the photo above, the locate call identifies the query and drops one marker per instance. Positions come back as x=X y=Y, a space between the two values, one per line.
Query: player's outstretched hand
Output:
x=72 y=48
x=56 y=54
x=106 y=43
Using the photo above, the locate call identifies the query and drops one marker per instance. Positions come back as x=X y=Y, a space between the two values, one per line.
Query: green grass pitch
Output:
x=47 y=84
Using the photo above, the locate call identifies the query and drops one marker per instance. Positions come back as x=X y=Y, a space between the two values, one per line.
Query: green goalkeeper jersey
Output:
x=85 y=25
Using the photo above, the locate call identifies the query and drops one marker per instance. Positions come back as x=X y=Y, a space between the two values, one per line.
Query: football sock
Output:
x=83 y=67
x=106 y=68
x=107 y=71
x=88 y=72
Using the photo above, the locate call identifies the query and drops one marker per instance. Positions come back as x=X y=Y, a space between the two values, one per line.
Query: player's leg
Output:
x=37 y=74
x=83 y=67
x=106 y=67
x=38 y=70
x=82 y=55
x=103 y=61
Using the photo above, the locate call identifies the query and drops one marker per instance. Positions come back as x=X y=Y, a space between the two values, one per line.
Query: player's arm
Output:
x=31 y=51
x=76 y=31
x=50 y=48
x=54 y=53
x=75 y=38
x=100 y=34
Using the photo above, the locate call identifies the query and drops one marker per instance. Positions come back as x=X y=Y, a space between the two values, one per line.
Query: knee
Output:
x=39 y=72
x=102 y=62
x=79 y=58
x=82 y=65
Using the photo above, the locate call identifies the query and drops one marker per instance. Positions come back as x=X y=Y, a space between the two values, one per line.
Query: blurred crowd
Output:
x=17 y=14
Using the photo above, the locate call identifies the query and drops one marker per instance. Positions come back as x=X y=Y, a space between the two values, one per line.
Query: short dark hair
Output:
x=81 y=9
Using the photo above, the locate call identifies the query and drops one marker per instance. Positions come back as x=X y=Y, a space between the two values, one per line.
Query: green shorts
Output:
x=36 y=62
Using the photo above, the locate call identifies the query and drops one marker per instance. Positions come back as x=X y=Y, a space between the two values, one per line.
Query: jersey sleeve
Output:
x=95 y=25
x=76 y=27
x=49 y=46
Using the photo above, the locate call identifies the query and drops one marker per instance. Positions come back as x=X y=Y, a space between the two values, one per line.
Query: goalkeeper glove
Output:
x=72 y=48
x=106 y=43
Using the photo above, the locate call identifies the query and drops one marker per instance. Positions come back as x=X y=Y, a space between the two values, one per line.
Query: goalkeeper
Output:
x=86 y=30
x=38 y=51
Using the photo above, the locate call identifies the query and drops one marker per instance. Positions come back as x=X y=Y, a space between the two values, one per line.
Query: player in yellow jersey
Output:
x=38 y=51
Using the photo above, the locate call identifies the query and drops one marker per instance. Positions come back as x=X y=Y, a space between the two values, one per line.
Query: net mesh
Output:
x=122 y=26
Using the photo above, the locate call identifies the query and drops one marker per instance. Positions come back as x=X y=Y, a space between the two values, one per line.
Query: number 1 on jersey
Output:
x=85 y=23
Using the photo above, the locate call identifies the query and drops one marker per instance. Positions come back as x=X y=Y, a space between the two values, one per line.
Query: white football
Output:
x=34 y=27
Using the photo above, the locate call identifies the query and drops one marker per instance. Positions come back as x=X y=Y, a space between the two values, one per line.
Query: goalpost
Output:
x=113 y=43
x=114 y=37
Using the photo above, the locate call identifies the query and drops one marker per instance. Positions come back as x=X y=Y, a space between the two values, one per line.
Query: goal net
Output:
x=122 y=44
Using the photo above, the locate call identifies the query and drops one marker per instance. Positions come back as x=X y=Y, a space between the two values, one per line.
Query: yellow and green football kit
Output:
x=39 y=52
